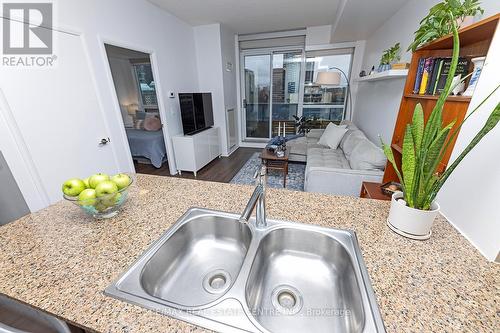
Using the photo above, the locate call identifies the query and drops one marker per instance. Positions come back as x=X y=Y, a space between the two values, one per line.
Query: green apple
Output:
x=86 y=182
x=73 y=187
x=121 y=180
x=87 y=197
x=105 y=188
x=94 y=180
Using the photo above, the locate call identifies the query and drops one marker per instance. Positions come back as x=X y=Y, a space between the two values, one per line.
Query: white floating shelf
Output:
x=386 y=75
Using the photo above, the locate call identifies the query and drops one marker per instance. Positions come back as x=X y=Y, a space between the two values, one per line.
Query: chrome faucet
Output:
x=258 y=199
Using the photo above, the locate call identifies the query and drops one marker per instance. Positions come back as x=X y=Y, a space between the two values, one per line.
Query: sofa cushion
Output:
x=324 y=157
x=367 y=156
x=332 y=135
x=351 y=140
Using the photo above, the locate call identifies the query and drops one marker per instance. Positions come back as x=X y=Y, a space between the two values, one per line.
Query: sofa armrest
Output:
x=339 y=181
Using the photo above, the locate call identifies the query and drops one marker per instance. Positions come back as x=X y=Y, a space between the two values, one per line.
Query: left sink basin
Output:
x=195 y=263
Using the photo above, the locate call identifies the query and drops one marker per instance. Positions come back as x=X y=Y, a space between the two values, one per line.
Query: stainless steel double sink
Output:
x=211 y=270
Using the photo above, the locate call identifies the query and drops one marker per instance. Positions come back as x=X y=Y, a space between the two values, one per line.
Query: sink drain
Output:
x=286 y=299
x=217 y=281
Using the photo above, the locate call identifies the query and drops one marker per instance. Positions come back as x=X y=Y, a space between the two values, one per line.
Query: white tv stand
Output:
x=193 y=152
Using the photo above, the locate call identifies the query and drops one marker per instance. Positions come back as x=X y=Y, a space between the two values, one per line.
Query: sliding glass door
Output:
x=271 y=85
x=286 y=89
x=278 y=84
x=257 y=89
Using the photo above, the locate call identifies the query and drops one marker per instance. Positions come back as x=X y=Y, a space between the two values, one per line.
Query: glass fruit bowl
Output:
x=104 y=206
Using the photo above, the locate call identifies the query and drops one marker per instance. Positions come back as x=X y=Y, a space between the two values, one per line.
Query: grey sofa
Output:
x=338 y=171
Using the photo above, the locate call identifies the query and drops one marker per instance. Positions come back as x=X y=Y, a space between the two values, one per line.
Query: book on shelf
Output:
x=462 y=70
x=418 y=77
x=425 y=75
x=432 y=73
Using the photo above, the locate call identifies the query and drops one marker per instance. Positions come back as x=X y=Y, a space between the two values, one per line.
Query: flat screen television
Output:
x=196 y=112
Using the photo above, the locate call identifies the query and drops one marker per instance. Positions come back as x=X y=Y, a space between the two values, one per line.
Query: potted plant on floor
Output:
x=413 y=211
x=437 y=23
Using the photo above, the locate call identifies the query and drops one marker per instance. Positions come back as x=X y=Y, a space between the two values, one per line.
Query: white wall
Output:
x=378 y=102
x=470 y=197
x=214 y=48
x=229 y=77
x=134 y=24
x=210 y=78
x=318 y=35
x=125 y=83
x=141 y=26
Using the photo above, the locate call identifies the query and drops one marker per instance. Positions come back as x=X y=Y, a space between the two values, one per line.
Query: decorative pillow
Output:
x=152 y=124
x=367 y=156
x=352 y=139
x=332 y=135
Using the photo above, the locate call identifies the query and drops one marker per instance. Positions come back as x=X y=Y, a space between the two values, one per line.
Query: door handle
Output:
x=104 y=141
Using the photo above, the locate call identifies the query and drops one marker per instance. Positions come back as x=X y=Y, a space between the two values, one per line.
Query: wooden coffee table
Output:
x=271 y=161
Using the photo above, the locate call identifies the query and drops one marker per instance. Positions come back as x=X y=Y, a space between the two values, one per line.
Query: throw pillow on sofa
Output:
x=351 y=140
x=367 y=156
x=333 y=135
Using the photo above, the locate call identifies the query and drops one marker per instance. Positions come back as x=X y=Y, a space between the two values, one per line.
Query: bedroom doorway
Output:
x=135 y=88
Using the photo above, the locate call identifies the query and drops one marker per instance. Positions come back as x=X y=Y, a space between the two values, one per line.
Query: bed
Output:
x=149 y=144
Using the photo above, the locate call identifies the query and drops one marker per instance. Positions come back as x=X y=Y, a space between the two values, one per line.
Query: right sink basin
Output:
x=304 y=281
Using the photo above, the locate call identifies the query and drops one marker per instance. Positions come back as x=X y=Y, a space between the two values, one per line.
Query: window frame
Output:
x=310 y=53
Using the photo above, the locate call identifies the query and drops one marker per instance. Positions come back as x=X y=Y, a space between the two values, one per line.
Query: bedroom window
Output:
x=146 y=84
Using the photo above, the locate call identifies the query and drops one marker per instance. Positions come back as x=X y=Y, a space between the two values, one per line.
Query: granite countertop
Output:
x=60 y=261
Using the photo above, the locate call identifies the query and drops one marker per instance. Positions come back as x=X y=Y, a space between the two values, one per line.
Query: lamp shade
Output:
x=328 y=78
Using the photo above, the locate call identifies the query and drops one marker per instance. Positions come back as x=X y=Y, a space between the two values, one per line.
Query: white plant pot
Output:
x=410 y=222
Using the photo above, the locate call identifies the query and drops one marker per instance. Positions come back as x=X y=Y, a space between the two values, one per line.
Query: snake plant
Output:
x=424 y=144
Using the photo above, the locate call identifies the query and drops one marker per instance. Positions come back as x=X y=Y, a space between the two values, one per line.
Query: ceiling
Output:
x=353 y=19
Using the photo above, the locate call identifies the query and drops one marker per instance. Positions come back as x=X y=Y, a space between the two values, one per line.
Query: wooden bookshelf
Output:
x=465 y=99
x=475 y=41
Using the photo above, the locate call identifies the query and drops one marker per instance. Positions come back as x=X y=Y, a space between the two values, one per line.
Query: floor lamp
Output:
x=333 y=79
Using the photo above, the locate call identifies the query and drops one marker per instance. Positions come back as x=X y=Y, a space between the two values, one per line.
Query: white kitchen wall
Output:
x=135 y=24
x=214 y=49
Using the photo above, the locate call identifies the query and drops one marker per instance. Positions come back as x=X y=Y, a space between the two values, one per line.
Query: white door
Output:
x=58 y=116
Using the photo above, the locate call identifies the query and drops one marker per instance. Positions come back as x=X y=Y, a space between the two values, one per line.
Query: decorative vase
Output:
x=478 y=67
x=410 y=222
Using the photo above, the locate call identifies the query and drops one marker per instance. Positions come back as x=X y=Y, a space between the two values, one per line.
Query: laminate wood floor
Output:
x=220 y=170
